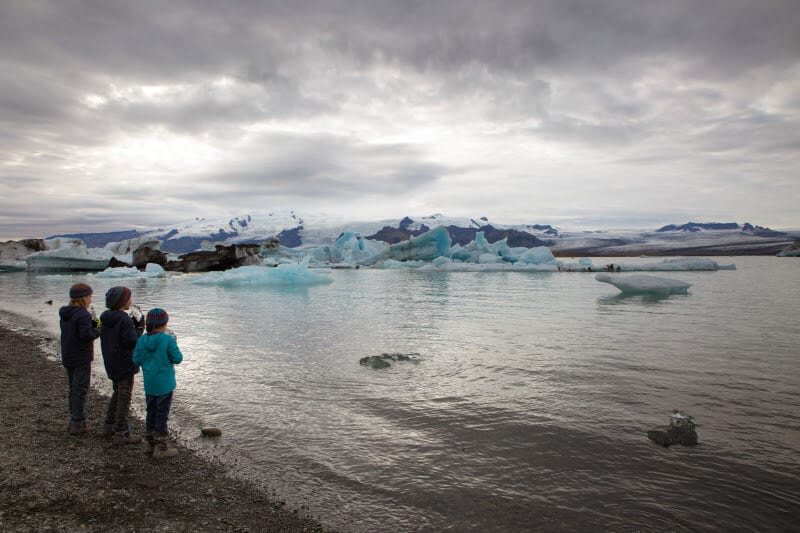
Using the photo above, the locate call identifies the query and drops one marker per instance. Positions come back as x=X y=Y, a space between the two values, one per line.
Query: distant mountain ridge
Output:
x=316 y=229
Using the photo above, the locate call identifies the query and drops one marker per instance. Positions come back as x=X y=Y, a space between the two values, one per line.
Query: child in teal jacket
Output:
x=157 y=352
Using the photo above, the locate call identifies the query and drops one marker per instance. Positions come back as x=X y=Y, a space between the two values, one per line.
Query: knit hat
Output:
x=156 y=318
x=79 y=290
x=117 y=297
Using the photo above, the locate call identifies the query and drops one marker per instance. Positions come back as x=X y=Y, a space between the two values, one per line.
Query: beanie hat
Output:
x=156 y=318
x=117 y=297
x=79 y=290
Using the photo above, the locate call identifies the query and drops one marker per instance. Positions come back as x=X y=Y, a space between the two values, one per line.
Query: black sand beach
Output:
x=51 y=481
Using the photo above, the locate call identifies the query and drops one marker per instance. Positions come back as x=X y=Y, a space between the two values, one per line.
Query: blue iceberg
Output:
x=286 y=274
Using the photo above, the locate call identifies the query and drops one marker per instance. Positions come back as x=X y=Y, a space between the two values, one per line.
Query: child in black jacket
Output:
x=118 y=338
x=78 y=332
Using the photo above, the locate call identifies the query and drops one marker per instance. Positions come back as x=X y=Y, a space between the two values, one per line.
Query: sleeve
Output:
x=86 y=330
x=138 y=353
x=128 y=334
x=173 y=352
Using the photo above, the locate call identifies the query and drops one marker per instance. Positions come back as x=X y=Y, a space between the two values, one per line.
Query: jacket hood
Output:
x=150 y=343
x=111 y=318
x=68 y=312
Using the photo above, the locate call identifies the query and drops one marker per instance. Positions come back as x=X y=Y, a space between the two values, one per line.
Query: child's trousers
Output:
x=158 y=413
x=78 y=378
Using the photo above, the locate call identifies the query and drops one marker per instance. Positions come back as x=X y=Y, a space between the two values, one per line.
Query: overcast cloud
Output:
x=115 y=115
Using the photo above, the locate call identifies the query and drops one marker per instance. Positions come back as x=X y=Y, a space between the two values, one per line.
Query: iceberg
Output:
x=286 y=274
x=640 y=284
x=671 y=264
x=425 y=247
x=152 y=270
x=13 y=266
x=351 y=249
x=68 y=255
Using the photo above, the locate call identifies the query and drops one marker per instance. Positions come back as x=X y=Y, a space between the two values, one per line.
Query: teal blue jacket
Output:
x=156 y=354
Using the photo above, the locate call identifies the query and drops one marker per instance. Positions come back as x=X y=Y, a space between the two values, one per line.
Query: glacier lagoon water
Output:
x=527 y=408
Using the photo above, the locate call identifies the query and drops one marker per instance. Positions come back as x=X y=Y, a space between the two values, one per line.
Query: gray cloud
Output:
x=364 y=101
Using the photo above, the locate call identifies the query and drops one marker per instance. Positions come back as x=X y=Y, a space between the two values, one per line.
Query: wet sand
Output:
x=50 y=480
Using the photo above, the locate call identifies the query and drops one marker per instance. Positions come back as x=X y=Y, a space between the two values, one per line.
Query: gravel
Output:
x=52 y=481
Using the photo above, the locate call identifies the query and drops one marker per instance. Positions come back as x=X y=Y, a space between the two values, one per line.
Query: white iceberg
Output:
x=68 y=255
x=287 y=274
x=152 y=270
x=671 y=264
x=13 y=266
x=640 y=284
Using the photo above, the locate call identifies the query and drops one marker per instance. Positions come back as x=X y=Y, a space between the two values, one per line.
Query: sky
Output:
x=133 y=114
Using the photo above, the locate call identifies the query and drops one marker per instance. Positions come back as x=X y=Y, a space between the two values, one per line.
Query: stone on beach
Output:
x=210 y=432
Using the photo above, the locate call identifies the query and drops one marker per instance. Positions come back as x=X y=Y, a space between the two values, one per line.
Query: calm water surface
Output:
x=526 y=410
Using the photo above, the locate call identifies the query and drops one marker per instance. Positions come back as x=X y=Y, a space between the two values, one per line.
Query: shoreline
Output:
x=55 y=481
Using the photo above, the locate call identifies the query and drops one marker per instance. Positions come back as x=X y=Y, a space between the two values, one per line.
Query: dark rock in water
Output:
x=116 y=263
x=223 y=258
x=210 y=432
x=382 y=360
x=374 y=361
x=146 y=254
x=681 y=430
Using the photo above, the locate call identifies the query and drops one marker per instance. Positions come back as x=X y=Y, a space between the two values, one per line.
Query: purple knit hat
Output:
x=156 y=318
x=117 y=297
x=79 y=290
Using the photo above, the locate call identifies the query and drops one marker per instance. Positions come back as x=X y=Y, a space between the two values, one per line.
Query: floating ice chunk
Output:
x=537 y=256
x=152 y=270
x=488 y=259
x=681 y=264
x=441 y=261
x=425 y=247
x=639 y=284
x=349 y=249
x=128 y=246
x=287 y=274
x=73 y=255
x=13 y=266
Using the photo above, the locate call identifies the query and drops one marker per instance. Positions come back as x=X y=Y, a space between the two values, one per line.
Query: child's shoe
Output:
x=125 y=437
x=162 y=448
x=78 y=427
x=148 y=443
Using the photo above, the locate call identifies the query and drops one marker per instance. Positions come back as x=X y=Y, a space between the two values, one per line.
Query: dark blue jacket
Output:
x=77 y=336
x=118 y=338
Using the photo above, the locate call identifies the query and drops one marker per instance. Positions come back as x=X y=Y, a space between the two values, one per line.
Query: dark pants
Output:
x=78 y=378
x=158 y=413
x=120 y=404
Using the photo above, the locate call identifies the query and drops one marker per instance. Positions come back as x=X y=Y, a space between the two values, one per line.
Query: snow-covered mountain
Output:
x=294 y=229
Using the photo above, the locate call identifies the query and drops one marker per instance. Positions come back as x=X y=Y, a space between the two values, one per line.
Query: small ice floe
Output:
x=681 y=430
x=152 y=270
x=639 y=284
x=286 y=274
x=382 y=361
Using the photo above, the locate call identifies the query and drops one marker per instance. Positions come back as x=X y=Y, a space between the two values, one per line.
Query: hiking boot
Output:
x=147 y=442
x=78 y=427
x=163 y=448
x=125 y=437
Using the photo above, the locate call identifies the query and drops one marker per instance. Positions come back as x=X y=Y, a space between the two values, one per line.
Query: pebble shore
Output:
x=52 y=481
